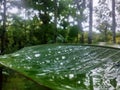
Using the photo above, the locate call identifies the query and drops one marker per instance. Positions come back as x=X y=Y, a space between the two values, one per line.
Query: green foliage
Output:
x=60 y=39
x=44 y=22
x=73 y=33
x=64 y=67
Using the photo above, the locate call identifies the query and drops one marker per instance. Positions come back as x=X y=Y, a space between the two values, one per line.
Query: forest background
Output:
x=34 y=22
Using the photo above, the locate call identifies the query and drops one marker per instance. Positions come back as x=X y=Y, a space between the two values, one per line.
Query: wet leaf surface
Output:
x=68 y=67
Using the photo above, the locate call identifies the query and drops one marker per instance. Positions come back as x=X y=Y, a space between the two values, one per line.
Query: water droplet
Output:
x=57 y=58
x=10 y=65
x=78 y=82
x=41 y=74
x=59 y=52
x=35 y=52
x=59 y=47
x=63 y=57
x=61 y=63
x=70 y=49
x=68 y=87
x=37 y=55
x=66 y=75
x=43 y=62
x=74 y=58
x=71 y=76
x=28 y=67
x=28 y=57
x=65 y=50
x=51 y=79
x=47 y=61
x=16 y=54
x=49 y=49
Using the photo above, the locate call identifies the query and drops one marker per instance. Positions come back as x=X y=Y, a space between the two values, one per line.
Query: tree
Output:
x=113 y=21
x=103 y=28
x=103 y=19
x=55 y=18
x=3 y=35
x=90 y=21
x=80 y=6
x=73 y=34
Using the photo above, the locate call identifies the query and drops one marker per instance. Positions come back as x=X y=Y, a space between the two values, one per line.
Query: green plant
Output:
x=64 y=67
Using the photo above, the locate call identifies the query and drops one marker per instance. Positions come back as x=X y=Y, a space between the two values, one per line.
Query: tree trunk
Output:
x=4 y=28
x=80 y=8
x=113 y=22
x=55 y=19
x=90 y=21
x=81 y=30
x=105 y=33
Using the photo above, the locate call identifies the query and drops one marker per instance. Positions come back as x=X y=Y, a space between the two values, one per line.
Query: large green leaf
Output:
x=65 y=67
